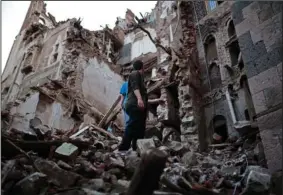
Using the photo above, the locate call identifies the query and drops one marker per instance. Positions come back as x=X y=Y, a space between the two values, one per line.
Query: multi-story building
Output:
x=220 y=69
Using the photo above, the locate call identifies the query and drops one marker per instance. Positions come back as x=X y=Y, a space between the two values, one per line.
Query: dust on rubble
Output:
x=87 y=162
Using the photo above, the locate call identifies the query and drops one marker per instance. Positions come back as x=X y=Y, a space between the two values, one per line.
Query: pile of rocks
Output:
x=91 y=164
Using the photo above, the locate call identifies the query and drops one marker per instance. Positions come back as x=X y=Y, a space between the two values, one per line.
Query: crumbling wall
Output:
x=69 y=66
x=259 y=30
x=26 y=50
x=100 y=85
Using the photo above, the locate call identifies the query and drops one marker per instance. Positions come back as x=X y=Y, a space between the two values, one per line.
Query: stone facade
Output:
x=259 y=30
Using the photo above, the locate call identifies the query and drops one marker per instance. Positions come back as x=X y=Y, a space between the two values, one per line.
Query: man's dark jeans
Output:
x=135 y=128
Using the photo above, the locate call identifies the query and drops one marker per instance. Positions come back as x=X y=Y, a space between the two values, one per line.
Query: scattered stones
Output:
x=210 y=162
x=31 y=184
x=230 y=171
x=257 y=183
x=55 y=174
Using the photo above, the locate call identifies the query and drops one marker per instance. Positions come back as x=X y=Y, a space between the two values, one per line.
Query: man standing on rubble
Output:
x=136 y=108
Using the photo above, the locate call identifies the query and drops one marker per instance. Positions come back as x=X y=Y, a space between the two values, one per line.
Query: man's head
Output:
x=138 y=65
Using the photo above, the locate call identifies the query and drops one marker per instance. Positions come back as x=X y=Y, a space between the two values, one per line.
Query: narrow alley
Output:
x=215 y=68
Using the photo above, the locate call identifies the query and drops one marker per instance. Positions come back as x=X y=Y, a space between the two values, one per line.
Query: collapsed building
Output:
x=217 y=65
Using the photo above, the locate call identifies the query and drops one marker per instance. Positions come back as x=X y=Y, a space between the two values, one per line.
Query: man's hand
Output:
x=140 y=103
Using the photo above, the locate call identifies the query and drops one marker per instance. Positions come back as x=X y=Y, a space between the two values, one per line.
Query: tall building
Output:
x=218 y=65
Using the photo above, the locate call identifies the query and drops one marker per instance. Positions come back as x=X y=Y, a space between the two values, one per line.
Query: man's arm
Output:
x=121 y=97
x=154 y=101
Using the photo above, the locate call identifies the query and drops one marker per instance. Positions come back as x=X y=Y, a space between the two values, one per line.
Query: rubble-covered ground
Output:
x=87 y=162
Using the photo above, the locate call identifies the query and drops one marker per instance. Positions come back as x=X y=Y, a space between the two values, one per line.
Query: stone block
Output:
x=271 y=32
x=250 y=9
x=250 y=68
x=245 y=41
x=271 y=121
x=67 y=150
x=265 y=13
x=264 y=80
x=145 y=144
x=270 y=126
x=256 y=36
x=272 y=149
x=254 y=52
x=237 y=11
x=257 y=183
x=275 y=42
x=259 y=102
x=237 y=16
x=273 y=95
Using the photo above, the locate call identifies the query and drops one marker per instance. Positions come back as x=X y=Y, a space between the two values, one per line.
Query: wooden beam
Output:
x=104 y=132
x=104 y=119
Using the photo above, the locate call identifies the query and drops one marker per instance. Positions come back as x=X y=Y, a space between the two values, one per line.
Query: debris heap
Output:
x=87 y=162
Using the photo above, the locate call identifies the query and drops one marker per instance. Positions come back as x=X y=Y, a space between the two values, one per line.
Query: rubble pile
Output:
x=87 y=162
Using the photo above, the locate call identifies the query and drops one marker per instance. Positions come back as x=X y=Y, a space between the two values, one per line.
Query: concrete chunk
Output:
x=257 y=183
x=67 y=150
x=145 y=144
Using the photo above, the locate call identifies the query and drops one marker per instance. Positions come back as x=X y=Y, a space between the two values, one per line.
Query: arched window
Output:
x=220 y=127
x=233 y=47
x=214 y=75
x=210 y=49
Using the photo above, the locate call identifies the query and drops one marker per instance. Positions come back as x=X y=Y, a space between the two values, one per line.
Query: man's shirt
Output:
x=135 y=82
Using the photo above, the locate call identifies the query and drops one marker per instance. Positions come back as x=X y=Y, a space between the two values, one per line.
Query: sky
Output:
x=93 y=13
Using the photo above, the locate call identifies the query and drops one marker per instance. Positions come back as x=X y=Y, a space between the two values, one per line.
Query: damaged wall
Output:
x=100 y=85
x=38 y=109
x=259 y=30
x=137 y=43
x=44 y=50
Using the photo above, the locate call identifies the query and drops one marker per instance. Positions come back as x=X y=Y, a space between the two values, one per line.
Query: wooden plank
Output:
x=104 y=132
x=79 y=132
x=104 y=119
